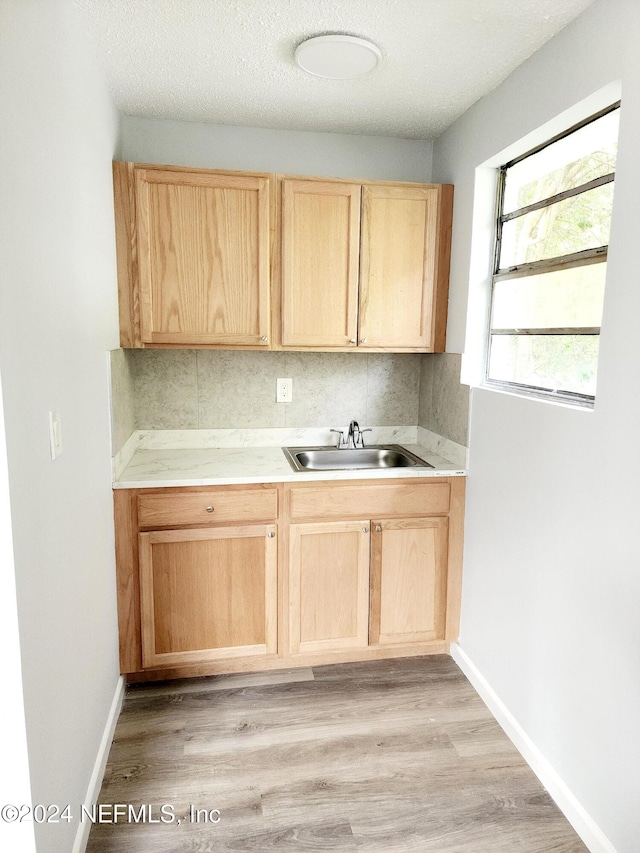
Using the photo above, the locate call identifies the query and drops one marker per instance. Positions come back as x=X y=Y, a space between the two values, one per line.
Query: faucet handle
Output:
x=341 y=440
x=368 y=429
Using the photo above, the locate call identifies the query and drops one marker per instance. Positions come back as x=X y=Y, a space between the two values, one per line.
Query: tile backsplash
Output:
x=123 y=415
x=444 y=402
x=154 y=389
x=226 y=389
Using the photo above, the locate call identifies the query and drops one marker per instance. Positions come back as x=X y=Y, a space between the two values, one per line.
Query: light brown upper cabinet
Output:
x=320 y=260
x=365 y=265
x=193 y=256
x=361 y=265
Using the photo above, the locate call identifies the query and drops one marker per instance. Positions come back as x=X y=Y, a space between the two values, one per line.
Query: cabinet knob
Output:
x=377 y=528
x=209 y=509
x=365 y=529
x=363 y=340
x=353 y=341
x=271 y=534
x=264 y=338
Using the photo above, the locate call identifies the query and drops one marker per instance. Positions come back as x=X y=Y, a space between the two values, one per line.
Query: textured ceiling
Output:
x=231 y=61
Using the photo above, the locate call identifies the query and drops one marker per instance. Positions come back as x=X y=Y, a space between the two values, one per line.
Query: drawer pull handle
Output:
x=271 y=534
x=209 y=509
x=264 y=338
x=363 y=340
x=377 y=528
x=365 y=529
x=352 y=341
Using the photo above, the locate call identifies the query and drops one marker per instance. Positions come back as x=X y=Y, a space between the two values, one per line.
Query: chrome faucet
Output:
x=354 y=439
x=354 y=436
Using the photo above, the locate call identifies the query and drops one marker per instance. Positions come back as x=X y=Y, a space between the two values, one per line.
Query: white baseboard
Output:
x=567 y=802
x=95 y=783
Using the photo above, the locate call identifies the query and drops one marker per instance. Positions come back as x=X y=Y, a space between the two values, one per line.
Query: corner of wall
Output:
x=117 y=153
x=565 y=799
x=425 y=400
x=444 y=400
x=122 y=398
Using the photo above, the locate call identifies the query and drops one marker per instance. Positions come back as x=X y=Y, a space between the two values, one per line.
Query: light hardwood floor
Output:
x=386 y=756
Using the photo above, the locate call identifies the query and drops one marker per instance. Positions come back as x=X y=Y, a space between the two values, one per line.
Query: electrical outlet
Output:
x=284 y=390
x=55 y=435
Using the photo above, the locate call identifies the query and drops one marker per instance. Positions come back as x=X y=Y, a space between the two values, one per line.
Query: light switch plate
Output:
x=55 y=435
x=284 y=390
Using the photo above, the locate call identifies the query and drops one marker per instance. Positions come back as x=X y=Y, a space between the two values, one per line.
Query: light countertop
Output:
x=161 y=458
x=216 y=466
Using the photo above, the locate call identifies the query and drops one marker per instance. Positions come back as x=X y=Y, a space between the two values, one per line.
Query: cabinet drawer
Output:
x=207 y=506
x=377 y=500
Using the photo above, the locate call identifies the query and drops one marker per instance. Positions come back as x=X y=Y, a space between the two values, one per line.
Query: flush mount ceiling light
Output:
x=337 y=57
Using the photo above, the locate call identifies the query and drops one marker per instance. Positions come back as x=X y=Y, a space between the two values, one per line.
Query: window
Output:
x=554 y=215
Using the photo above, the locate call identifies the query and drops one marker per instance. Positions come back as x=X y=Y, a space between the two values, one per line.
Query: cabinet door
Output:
x=398 y=269
x=408 y=580
x=203 y=245
x=320 y=248
x=328 y=586
x=208 y=594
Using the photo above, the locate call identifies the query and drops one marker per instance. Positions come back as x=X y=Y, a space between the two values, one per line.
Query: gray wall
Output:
x=212 y=146
x=58 y=318
x=15 y=784
x=551 y=591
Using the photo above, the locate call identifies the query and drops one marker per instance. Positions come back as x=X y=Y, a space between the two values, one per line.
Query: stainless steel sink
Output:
x=334 y=459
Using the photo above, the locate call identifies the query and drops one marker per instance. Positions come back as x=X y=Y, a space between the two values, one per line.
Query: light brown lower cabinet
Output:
x=328 y=586
x=208 y=594
x=408 y=580
x=239 y=578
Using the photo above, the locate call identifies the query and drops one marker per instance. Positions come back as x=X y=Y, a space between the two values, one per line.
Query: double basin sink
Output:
x=350 y=459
